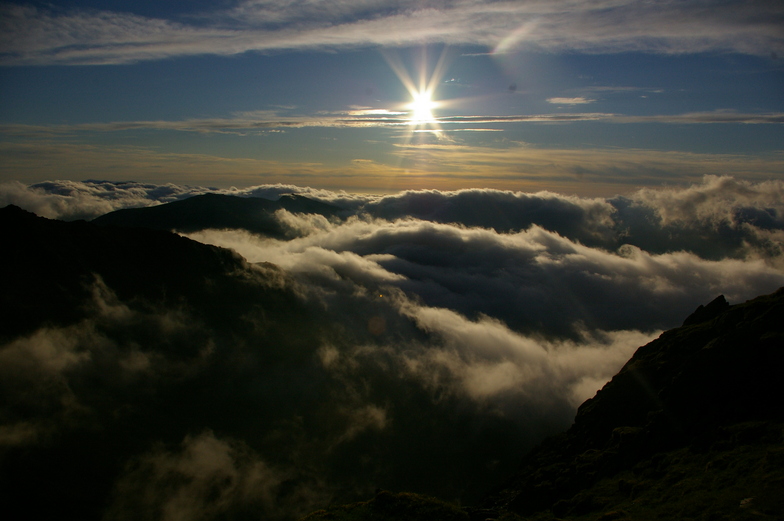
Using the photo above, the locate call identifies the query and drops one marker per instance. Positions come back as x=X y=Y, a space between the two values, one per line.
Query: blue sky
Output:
x=592 y=97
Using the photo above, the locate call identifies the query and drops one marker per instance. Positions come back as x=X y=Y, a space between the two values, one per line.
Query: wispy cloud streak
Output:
x=369 y=118
x=35 y=36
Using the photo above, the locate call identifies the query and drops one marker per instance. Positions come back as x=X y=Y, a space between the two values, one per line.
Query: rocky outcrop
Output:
x=704 y=388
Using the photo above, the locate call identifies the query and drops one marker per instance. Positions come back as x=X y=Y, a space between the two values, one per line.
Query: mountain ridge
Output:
x=220 y=211
x=50 y=266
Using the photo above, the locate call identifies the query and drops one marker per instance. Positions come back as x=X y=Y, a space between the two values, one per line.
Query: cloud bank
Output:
x=34 y=36
x=418 y=341
x=71 y=200
x=719 y=217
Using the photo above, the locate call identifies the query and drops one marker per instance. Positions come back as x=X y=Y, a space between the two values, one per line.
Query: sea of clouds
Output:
x=436 y=337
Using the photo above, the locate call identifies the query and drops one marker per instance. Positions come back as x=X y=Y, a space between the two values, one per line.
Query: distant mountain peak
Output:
x=218 y=211
x=12 y=211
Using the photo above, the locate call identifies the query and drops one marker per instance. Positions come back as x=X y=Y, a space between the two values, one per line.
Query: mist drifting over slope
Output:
x=418 y=341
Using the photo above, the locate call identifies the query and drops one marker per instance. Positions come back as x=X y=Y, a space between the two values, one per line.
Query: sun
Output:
x=423 y=100
x=422 y=107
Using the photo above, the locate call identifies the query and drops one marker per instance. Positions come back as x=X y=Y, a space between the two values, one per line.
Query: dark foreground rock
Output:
x=387 y=506
x=684 y=407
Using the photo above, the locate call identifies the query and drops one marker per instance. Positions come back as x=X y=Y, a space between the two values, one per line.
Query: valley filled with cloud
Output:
x=419 y=341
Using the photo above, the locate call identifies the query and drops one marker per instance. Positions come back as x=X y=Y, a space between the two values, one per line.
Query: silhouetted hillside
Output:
x=113 y=338
x=49 y=266
x=687 y=408
x=216 y=211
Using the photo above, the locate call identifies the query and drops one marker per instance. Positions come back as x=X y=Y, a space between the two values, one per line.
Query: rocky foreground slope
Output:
x=692 y=427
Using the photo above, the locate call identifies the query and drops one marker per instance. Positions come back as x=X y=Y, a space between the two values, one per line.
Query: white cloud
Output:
x=34 y=36
x=70 y=200
x=530 y=279
x=717 y=199
x=570 y=101
x=715 y=218
x=485 y=360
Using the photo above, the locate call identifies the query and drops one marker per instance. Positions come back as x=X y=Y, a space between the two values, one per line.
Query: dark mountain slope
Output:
x=692 y=427
x=113 y=339
x=48 y=267
x=216 y=211
x=705 y=389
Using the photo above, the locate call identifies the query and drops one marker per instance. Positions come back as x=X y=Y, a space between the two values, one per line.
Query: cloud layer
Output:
x=717 y=218
x=418 y=341
x=33 y=36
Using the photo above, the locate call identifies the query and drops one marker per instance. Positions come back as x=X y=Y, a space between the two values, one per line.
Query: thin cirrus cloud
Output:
x=570 y=101
x=385 y=118
x=36 y=36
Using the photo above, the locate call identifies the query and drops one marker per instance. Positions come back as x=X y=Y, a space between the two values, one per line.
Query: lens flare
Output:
x=422 y=108
x=423 y=101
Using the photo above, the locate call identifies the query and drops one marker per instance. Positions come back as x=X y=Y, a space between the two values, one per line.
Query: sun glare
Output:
x=422 y=104
x=422 y=107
